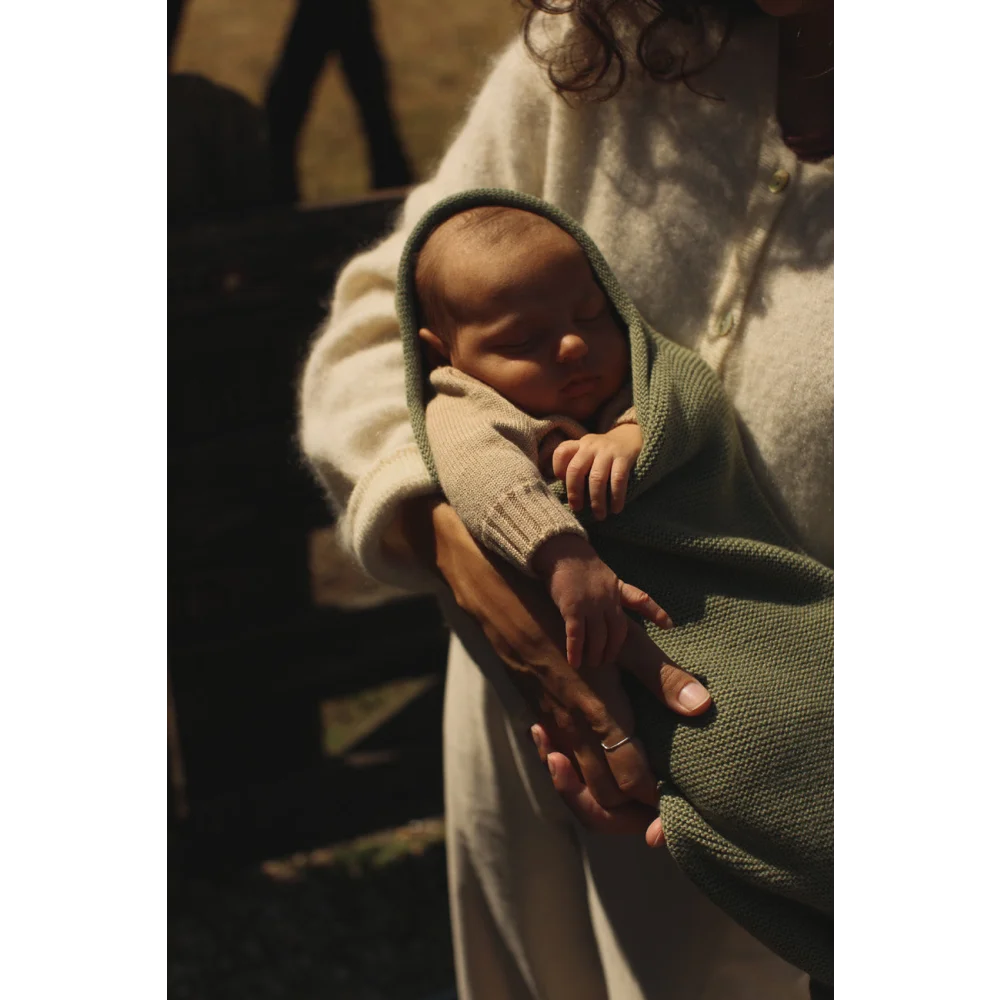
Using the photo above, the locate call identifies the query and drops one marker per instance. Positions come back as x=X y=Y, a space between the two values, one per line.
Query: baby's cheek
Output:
x=530 y=383
x=622 y=356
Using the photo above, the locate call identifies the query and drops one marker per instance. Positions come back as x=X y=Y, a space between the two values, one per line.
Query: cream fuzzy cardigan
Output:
x=722 y=239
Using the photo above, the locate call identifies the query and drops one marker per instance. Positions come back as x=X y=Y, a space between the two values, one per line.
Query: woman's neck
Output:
x=805 y=84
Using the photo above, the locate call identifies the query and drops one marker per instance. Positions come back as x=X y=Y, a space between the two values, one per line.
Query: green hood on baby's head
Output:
x=407 y=305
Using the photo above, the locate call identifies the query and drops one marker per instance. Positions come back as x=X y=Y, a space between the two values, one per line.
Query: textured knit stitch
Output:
x=747 y=791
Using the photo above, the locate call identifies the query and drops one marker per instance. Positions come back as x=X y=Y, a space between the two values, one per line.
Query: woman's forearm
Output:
x=584 y=708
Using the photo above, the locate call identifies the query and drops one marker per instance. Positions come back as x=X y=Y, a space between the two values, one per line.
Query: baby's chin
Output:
x=580 y=409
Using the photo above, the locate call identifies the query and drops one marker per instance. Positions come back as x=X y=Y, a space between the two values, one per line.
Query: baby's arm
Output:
x=486 y=457
x=601 y=459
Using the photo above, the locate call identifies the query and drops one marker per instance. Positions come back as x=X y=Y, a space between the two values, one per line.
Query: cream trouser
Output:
x=542 y=909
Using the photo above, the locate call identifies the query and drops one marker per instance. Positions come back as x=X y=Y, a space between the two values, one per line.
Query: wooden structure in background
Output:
x=252 y=657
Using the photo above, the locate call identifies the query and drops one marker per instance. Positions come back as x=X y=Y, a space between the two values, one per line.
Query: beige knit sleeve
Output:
x=486 y=453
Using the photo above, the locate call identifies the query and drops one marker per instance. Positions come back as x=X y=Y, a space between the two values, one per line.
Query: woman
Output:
x=693 y=142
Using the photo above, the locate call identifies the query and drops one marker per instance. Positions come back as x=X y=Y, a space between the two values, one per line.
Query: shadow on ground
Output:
x=366 y=920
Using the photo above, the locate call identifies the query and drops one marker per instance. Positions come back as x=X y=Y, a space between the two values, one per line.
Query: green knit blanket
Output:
x=747 y=790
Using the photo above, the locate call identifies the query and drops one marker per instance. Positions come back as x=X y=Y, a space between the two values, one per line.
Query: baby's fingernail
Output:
x=693 y=696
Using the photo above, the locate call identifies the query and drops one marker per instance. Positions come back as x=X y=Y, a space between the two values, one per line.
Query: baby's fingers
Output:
x=617 y=633
x=576 y=479
x=597 y=640
x=619 y=484
x=562 y=456
x=600 y=472
x=638 y=600
x=575 y=637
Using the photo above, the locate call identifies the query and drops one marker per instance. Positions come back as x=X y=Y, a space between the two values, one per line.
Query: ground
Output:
x=361 y=921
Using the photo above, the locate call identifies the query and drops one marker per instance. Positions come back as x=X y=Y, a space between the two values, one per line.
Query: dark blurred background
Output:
x=304 y=786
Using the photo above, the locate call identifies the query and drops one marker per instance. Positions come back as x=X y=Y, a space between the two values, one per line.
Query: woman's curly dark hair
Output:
x=595 y=65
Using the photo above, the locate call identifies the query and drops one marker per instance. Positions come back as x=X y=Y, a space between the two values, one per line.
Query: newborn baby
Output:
x=541 y=354
x=532 y=384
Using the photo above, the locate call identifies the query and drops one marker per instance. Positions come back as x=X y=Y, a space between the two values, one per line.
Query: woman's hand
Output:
x=582 y=708
x=630 y=818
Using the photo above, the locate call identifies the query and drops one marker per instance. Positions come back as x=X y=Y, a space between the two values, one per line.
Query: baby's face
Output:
x=530 y=320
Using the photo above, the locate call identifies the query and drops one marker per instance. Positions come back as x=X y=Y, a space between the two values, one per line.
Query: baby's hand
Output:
x=602 y=458
x=590 y=598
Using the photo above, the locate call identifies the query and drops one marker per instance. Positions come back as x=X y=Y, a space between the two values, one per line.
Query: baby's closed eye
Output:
x=516 y=347
x=589 y=315
x=593 y=306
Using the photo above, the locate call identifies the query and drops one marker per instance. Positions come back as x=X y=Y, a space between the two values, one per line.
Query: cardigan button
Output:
x=779 y=181
x=726 y=324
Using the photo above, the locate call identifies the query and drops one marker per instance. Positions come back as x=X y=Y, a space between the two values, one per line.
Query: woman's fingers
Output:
x=543 y=742
x=631 y=817
x=677 y=689
x=597 y=775
x=575 y=736
x=654 y=833
x=624 y=819
x=638 y=600
x=614 y=725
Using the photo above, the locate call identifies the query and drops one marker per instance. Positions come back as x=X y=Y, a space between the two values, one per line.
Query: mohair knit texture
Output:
x=746 y=790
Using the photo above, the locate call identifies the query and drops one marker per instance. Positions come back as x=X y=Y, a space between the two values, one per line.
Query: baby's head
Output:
x=508 y=297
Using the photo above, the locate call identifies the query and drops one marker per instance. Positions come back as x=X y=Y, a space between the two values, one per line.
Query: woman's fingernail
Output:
x=536 y=735
x=693 y=696
x=552 y=766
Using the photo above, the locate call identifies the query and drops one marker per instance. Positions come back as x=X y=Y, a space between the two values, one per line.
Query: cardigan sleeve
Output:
x=354 y=425
x=486 y=453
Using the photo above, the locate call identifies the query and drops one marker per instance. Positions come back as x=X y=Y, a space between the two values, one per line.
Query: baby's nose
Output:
x=572 y=347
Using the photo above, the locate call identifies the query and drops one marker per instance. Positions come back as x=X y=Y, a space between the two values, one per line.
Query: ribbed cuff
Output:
x=522 y=519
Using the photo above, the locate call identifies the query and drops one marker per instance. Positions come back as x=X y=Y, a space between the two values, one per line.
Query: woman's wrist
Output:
x=416 y=518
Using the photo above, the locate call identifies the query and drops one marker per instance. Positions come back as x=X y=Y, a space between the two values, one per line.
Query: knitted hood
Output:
x=417 y=387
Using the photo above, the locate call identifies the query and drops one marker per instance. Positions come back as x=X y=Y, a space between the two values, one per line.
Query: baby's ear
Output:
x=435 y=343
